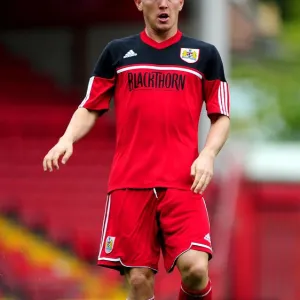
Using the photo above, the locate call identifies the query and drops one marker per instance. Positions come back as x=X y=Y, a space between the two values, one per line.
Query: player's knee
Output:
x=195 y=272
x=140 y=278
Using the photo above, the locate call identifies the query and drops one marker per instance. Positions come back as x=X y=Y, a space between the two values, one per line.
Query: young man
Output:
x=159 y=80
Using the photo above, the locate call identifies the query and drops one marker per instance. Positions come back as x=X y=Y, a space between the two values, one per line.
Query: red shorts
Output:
x=139 y=223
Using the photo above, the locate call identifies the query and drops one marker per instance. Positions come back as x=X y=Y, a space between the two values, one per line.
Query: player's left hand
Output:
x=202 y=170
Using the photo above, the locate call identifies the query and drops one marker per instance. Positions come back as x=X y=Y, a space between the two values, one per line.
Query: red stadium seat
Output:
x=69 y=204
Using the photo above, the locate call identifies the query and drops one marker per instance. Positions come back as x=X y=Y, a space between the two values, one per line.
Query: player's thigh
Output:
x=129 y=233
x=185 y=225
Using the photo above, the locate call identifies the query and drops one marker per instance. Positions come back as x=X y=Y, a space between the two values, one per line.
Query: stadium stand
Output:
x=66 y=206
x=38 y=270
x=67 y=203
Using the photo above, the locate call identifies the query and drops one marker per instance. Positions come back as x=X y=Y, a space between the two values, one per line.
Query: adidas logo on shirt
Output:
x=130 y=53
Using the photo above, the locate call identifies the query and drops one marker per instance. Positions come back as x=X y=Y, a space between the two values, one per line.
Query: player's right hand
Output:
x=63 y=147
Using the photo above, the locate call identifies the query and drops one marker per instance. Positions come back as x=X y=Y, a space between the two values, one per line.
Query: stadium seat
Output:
x=69 y=204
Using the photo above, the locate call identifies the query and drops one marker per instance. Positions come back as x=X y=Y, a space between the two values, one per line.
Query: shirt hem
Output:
x=149 y=186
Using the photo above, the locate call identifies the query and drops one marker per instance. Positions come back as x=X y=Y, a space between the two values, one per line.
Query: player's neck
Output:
x=160 y=37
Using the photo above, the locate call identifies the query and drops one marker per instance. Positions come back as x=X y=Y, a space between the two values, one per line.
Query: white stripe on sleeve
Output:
x=223 y=98
x=220 y=99
x=88 y=93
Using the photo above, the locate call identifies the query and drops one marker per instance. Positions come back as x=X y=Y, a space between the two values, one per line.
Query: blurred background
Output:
x=50 y=224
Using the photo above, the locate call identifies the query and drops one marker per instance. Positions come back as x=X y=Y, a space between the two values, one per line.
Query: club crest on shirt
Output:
x=109 y=245
x=189 y=55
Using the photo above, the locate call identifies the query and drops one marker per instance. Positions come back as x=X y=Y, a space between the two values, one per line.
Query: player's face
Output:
x=160 y=15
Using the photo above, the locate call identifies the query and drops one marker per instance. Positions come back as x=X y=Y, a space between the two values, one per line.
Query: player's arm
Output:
x=217 y=135
x=217 y=98
x=96 y=102
x=81 y=123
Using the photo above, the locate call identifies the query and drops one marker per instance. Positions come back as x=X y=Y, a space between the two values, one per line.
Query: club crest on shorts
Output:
x=189 y=55
x=109 y=245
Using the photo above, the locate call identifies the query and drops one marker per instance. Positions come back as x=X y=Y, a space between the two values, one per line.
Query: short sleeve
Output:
x=216 y=90
x=101 y=84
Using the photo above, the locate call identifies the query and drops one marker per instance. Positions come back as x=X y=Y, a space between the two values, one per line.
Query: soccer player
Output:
x=159 y=79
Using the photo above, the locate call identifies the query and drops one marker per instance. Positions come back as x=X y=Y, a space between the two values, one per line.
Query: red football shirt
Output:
x=158 y=90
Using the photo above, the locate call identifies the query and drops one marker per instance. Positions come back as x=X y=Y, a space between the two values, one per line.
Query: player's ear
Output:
x=139 y=4
x=181 y=2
